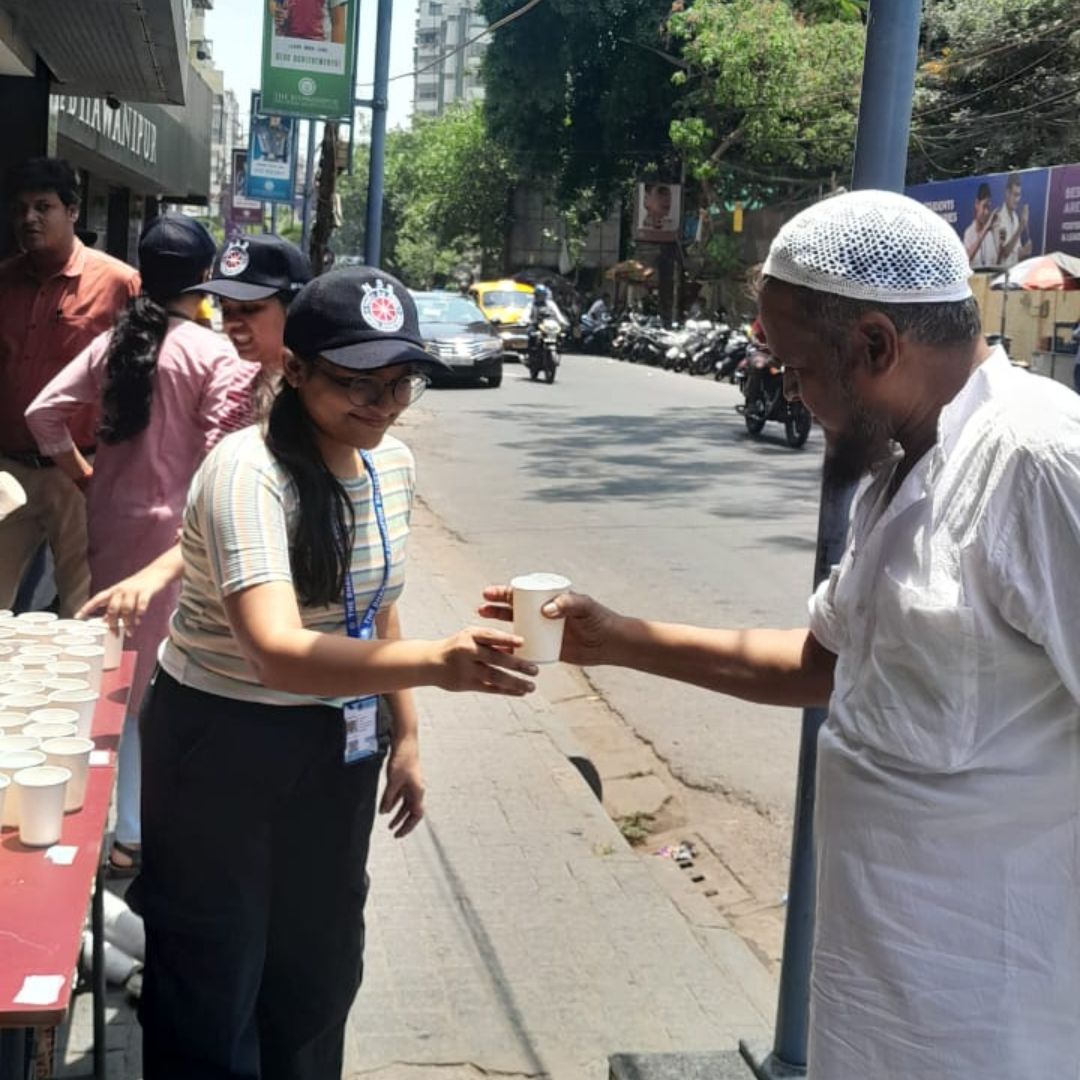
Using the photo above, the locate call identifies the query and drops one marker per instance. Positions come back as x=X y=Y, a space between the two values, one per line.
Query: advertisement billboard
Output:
x=242 y=210
x=309 y=58
x=658 y=212
x=271 y=161
x=1006 y=217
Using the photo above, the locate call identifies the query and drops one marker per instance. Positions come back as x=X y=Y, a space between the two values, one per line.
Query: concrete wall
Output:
x=1030 y=316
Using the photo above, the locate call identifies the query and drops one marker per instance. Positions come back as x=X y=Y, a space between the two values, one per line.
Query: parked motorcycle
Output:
x=543 y=356
x=595 y=335
x=763 y=390
x=736 y=349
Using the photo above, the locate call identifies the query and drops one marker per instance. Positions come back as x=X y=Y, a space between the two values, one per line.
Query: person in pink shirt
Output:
x=162 y=383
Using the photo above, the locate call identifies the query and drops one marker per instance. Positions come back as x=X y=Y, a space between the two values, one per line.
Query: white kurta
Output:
x=948 y=815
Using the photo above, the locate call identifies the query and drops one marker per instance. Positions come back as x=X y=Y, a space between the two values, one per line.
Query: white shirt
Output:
x=986 y=253
x=947 y=824
x=1008 y=220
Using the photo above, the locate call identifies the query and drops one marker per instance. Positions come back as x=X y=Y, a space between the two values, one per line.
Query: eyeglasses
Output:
x=369 y=390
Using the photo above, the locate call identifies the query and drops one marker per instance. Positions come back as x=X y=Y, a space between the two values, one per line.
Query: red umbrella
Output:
x=1055 y=272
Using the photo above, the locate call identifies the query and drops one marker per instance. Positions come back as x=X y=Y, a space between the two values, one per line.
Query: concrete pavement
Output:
x=516 y=932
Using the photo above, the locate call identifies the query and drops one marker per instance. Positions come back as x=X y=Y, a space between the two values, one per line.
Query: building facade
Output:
x=112 y=87
x=448 y=69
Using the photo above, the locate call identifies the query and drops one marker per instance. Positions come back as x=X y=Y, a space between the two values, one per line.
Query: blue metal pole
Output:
x=379 y=103
x=881 y=144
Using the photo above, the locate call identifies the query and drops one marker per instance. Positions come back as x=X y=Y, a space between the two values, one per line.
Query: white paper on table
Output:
x=99 y=757
x=40 y=990
x=62 y=854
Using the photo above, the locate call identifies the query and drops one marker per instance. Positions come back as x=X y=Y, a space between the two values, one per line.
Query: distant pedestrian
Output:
x=58 y=295
x=161 y=384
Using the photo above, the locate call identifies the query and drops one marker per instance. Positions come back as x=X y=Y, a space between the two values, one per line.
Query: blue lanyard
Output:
x=363 y=629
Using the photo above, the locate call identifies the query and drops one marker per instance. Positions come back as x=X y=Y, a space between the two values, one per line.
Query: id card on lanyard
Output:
x=361 y=714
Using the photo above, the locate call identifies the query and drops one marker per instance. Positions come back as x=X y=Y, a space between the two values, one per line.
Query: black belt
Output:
x=34 y=460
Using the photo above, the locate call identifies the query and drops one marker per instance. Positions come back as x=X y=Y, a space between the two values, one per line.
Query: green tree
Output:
x=771 y=100
x=998 y=87
x=448 y=192
x=581 y=96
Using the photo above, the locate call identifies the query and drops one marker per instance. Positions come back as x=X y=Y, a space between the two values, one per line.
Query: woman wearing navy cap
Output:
x=256 y=278
x=162 y=384
x=284 y=684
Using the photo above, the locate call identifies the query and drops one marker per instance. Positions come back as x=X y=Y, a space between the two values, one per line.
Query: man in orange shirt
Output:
x=56 y=296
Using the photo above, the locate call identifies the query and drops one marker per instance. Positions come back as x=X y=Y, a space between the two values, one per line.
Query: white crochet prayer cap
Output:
x=872 y=245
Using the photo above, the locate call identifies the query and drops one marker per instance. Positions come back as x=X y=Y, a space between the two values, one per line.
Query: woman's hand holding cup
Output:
x=482 y=660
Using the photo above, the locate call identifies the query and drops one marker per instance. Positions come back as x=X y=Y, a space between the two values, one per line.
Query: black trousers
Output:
x=255 y=843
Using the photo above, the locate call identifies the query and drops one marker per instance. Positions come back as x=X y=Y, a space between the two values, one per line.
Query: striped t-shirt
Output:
x=240 y=514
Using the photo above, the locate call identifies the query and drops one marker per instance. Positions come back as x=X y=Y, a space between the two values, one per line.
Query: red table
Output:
x=43 y=906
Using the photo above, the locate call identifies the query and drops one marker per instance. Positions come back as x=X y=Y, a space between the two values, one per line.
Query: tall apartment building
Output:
x=226 y=129
x=441 y=27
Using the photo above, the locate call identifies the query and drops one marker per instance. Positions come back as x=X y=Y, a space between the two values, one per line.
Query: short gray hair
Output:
x=941 y=324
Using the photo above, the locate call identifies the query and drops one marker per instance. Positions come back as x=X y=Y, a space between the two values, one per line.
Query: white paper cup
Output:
x=543 y=636
x=45 y=730
x=12 y=723
x=11 y=761
x=23 y=702
x=31 y=681
x=37 y=617
x=51 y=651
x=114 y=648
x=73 y=754
x=84 y=702
x=76 y=637
x=42 y=790
x=19 y=742
x=53 y=715
x=30 y=662
x=70 y=669
x=94 y=655
x=49 y=684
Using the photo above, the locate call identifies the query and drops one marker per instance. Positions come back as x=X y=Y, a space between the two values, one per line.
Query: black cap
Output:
x=360 y=318
x=255 y=267
x=174 y=253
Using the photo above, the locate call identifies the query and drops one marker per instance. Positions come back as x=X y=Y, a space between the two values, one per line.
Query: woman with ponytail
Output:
x=159 y=383
x=285 y=686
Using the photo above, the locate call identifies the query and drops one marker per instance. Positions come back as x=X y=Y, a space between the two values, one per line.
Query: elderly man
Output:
x=945 y=644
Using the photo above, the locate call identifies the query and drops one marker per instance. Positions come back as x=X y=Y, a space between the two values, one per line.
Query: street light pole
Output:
x=379 y=104
x=881 y=143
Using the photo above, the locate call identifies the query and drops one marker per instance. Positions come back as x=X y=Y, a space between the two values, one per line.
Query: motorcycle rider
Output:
x=541 y=307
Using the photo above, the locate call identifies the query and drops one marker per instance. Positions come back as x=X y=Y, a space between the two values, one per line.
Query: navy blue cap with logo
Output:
x=174 y=253
x=360 y=318
x=258 y=266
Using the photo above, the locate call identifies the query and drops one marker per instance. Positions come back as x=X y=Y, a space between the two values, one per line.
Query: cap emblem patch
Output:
x=381 y=309
x=235 y=258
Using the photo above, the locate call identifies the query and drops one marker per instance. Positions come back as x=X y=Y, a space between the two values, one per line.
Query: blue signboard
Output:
x=1001 y=217
x=271 y=162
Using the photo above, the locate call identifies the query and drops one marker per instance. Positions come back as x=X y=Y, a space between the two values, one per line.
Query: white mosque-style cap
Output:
x=875 y=246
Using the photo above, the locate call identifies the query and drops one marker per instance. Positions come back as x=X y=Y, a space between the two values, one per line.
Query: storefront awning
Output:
x=134 y=50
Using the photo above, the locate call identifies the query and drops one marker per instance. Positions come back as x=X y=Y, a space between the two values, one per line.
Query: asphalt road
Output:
x=643 y=487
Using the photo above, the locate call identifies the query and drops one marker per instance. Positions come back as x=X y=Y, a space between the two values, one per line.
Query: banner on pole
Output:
x=272 y=153
x=242 y=210
x=309 y=57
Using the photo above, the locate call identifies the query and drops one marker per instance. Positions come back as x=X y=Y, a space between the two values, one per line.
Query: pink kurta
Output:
x=135 y=500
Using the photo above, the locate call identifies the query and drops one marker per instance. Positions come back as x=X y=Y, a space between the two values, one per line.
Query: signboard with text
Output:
x=1006 y=217
x=271 y=160
x=309 y=58
x=242 y=210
